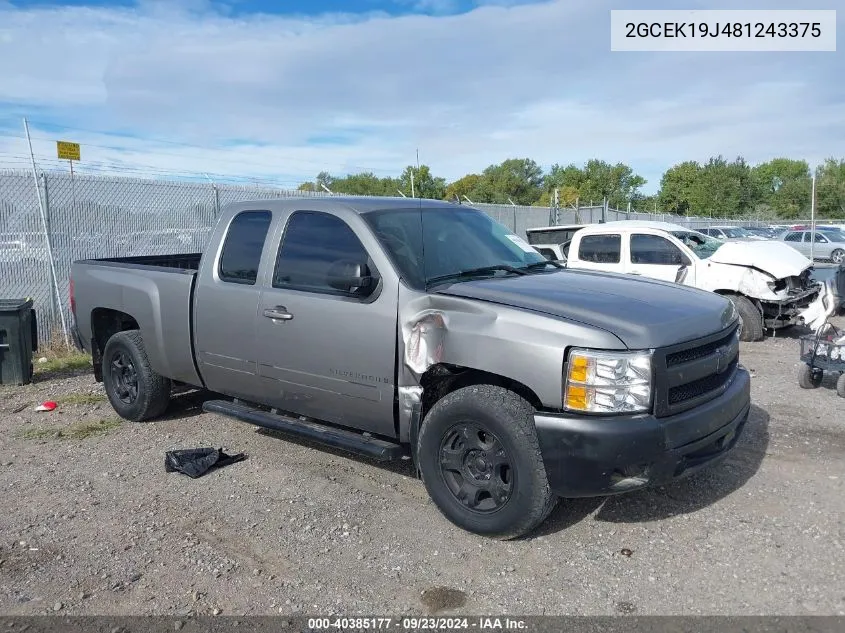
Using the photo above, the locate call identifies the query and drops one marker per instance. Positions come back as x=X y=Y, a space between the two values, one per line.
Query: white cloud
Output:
x=535 y=80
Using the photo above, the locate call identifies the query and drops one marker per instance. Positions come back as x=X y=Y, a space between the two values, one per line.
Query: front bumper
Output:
x=587 y=456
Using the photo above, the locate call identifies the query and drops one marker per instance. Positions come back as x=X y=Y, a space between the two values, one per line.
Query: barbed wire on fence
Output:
x=90 y=216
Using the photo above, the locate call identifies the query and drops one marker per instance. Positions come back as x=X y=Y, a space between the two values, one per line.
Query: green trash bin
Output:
x=18 y=340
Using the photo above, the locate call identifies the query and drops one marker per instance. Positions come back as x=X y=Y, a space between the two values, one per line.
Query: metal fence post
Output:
x=54 y=308
x=216 y=192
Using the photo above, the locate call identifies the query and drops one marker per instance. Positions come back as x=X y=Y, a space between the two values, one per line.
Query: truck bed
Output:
x=156 y=291
x=170 y=263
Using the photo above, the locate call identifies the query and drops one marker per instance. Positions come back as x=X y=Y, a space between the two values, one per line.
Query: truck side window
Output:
x=793 y=237
x=314 y=243
x=242 y=248
x=653 y=249
x=601 y=249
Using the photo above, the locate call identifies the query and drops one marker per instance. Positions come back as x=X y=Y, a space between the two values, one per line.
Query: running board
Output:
x=358 y=443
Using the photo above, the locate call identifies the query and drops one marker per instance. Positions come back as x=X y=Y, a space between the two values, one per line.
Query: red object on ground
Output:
x=49 y=405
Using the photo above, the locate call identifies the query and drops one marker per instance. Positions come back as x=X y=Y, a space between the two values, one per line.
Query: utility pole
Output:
x=53 y=275
x=813 y=219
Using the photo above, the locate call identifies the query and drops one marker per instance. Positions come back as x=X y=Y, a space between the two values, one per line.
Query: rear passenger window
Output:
x=312 y=245
x=242 y=248
x=653 y=249
x=601 y=249
x=793 y=237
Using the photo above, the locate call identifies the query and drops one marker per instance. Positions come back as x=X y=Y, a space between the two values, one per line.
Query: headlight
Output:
x=607 y=382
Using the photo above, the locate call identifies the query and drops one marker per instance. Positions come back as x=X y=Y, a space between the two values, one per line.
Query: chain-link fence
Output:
x=99 y=216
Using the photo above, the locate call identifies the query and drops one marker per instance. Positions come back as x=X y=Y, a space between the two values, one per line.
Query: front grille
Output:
x=694 y=353
x=702 y=386
x=693 y=373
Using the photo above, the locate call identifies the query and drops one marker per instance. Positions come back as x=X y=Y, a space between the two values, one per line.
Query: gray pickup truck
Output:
x=424 y=330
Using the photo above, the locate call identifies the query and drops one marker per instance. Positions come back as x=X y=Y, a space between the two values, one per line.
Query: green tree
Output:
x=520 y=179
x=725 y=189
x=830 y=189
x=783 y=186
x=617 y=183
x=464 y=186
x=570 y=177
x=679 y=188
x=425 y=185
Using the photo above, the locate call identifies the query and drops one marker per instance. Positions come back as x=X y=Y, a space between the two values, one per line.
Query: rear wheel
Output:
x=135 y=391
x=481 y=464
x=809 y=378
x=750 y=319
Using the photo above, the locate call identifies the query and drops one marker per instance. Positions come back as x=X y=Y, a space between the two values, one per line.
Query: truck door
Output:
x=327 y=349
x=656 y=257
x=225 y=304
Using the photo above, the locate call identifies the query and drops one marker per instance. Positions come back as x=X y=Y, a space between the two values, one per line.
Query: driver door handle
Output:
x=278 y=313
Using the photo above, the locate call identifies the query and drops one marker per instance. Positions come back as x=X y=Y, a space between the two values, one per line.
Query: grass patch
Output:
x=83 y=398
x=60 y=356
x=68 y=362
x=76 y=431
x=38 y=434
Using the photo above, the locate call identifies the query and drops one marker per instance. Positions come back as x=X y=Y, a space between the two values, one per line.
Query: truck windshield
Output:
x=702 y=245
x=434 y=244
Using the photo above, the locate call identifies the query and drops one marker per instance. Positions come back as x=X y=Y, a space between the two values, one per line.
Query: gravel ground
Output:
x=94 y=525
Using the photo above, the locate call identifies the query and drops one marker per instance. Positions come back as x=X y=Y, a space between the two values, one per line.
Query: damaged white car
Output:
x=768 y=282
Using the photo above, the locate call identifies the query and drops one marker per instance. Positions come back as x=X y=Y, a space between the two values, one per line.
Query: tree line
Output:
x=779 y=188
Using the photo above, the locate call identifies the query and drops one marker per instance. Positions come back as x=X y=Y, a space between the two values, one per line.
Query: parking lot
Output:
x=93 y=524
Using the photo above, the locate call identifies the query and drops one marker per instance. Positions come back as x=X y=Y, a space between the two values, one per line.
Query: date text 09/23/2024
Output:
x=416 y=624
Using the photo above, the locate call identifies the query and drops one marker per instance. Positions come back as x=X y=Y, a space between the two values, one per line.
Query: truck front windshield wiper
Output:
x=541 y=265
x=474 y=272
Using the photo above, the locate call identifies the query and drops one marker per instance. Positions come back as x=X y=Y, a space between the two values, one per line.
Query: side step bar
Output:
x=374 y=448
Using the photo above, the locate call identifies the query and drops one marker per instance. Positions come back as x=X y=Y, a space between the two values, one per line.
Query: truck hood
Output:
x=775 y=258
x=641 y=313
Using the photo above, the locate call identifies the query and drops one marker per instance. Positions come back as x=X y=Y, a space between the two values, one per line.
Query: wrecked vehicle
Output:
x=424 y=330
x=768 y=282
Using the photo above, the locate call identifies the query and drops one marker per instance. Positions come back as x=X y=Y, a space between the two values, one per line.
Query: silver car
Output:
x=829 y=243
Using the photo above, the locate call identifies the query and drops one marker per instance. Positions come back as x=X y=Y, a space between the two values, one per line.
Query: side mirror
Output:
x=351 y=277
x=681 y=275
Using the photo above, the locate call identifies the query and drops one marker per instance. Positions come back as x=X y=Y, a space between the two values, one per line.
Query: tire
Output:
x=809 y=379
x=840 y=386
x=484 y=420
x=135 y=391
x=750 y=319
x=837 y=256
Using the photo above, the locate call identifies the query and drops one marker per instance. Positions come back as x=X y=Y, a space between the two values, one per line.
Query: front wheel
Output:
x=840 y=386
x=837 y=256
x=135 y=391
x=750 y=319
x=480 y=462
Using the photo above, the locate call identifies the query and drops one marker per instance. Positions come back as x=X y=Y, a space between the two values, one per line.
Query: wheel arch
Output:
x=441 y=379
x=105 y=323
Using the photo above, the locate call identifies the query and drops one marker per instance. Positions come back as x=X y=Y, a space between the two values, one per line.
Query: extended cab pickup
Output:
x=769 y=283
x=398 y=328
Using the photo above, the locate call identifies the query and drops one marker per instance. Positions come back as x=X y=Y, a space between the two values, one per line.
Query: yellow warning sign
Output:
x=67 y=151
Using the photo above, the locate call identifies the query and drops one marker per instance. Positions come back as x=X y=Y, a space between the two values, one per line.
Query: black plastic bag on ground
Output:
x=195 y=462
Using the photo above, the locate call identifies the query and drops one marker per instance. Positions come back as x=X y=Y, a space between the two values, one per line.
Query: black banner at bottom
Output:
x=482 y=624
